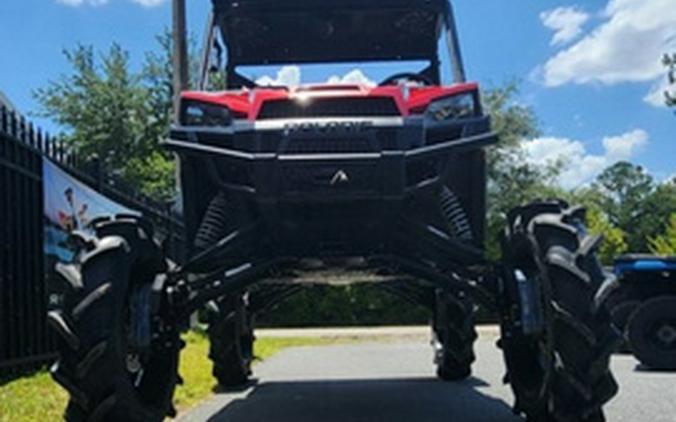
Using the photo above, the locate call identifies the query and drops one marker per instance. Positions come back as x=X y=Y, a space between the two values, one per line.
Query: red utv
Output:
x=284 y=186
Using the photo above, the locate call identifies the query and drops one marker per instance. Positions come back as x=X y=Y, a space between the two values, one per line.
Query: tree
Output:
x=614 y=243
x=656 y=211
x=669 y=61
x=117 y=116
x=665 y=244
x=623 y=191
x=631 y=202
x=512 y=179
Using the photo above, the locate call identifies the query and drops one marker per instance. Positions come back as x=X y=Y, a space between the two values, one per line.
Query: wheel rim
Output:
x=532 y=357
x=151 y=370
x=662 y=335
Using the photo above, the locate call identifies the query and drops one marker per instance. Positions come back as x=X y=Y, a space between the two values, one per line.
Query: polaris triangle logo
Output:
x=339 y=178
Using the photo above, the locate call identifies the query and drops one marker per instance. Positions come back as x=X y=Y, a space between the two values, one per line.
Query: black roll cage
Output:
x=214 y=40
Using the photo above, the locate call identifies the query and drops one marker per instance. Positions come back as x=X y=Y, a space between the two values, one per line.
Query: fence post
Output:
x=12 y=124
x=3 y=118
x=31 y=134
x=22 y=130
x=97 y=168
x=40 y=140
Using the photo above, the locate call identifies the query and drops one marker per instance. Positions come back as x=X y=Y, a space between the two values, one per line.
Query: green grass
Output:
x=35 y=397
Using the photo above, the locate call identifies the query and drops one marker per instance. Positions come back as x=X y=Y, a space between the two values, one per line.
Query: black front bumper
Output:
x=341 y=193
x=314 y=166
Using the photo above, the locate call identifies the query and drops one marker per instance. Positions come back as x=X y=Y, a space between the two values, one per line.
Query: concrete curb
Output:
x=365 y=332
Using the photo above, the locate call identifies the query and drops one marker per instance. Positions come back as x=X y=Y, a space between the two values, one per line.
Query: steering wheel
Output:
x=409 y=76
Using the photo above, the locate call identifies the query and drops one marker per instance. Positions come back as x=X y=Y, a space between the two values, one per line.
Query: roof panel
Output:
x=301 y=31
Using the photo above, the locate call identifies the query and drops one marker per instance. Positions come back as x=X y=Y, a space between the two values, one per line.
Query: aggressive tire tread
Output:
x=231 y=342
x=93 y=326
x=64 y=329
x=454 y=335
x=582 y=336
x=83 y=368
x=90 y=300
x=70 y=275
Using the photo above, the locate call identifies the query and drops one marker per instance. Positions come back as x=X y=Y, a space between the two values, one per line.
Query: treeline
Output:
x=119 y=116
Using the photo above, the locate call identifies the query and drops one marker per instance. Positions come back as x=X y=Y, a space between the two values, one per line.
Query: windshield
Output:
x=360 y=73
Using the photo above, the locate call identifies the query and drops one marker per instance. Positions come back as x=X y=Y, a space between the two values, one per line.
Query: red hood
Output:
x=247 y=103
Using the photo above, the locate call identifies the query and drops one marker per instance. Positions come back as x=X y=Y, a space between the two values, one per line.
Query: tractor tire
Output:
x=561 y=371
x=109 y=373
x=231 y=341
x=652 y=333
x=454 y=335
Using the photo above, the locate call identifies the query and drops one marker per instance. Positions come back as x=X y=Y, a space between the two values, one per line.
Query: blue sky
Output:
x=589 y=68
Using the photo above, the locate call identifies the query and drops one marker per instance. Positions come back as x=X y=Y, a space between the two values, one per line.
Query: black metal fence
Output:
x=25 y=338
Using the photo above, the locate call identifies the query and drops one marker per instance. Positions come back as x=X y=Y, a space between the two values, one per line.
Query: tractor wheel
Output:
x=231 y=341
x=118 y=359
x=558 y=351
x=454 y=335
x=652 y=333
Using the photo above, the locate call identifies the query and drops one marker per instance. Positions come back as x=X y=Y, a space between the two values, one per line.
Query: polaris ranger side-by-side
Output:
x=288 y=185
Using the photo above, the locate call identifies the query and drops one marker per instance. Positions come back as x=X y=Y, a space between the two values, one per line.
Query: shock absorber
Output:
x=455 y=216
x=217 y=221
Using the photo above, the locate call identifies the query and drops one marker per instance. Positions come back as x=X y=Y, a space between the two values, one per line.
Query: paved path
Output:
x=394 y=382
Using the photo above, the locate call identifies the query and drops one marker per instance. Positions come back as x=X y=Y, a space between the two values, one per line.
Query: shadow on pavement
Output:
x=390 y=400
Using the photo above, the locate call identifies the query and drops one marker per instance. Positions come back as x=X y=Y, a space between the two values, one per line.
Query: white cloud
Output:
x=286 y=76
x=353 y=77
x=566 y=22
x=656 y=95
x=624 y=146
x=291 y=76
x=580 y=166
x=76 y=3
x=626 y=47
x=149 y=3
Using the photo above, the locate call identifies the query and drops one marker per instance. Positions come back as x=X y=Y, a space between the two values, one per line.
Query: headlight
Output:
x=203 y=114
x=451 y=108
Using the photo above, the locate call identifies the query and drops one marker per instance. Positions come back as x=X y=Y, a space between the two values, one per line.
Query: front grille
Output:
x=322 y=179
x=329 y=107
x=328 y=146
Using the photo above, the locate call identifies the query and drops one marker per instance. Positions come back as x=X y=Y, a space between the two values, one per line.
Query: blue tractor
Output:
x=644 y=307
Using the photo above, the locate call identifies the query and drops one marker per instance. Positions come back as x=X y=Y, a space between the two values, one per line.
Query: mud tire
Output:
x=231 y=341
x=454 y=335
x=114 y=268
x=562 y=373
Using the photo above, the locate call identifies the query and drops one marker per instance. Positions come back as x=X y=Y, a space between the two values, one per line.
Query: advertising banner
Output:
x=70 y=205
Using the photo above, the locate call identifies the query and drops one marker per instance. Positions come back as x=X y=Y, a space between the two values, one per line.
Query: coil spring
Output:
x=455 y=216
x=215 y=224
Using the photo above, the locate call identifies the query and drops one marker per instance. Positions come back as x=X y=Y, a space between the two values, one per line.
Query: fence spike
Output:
x=39 y=140
x=48 y=145
x=22 y=129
